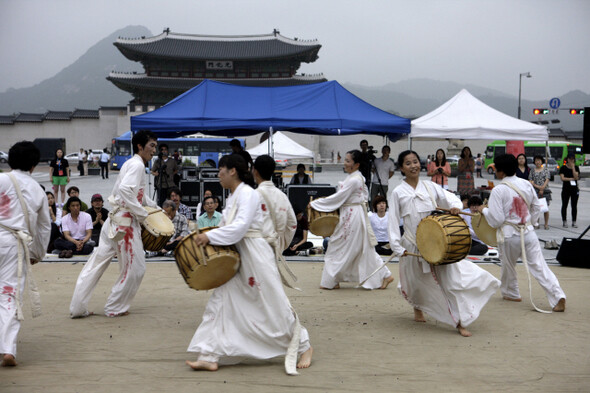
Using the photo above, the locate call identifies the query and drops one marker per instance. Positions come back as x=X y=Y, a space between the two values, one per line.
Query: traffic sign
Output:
x=554 y=103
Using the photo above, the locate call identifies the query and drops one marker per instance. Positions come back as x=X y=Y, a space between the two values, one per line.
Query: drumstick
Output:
x=461 y=212
x=385 y=263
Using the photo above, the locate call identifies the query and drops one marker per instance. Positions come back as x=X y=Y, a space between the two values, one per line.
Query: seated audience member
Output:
x=180 y=227
x=299 y=244
x=200 y=207
x=175 y=195
x=378 y=220
x=211 y=217
x=76 y=229
x=74 y=191
x=477 y=246
x=301 y=177
x=465 y=201
x=98 y=214
x=55 y=215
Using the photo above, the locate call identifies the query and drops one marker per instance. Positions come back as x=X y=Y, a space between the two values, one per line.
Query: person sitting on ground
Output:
x=477 y=246
x=299 y=245
x=211 y=217
x=76 y=229
x=301 y=177
x=98 y=214
x=175 y=195
x=74 y=191
x=55 y=215
x=180 y=227
x=379 y=224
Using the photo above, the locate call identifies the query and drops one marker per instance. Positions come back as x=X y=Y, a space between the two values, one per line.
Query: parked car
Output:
x=73 y=157
x=3 y=156
x=585 y=169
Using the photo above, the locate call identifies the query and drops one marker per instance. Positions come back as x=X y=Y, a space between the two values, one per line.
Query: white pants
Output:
x=510 y=251
x=9 y=324
x=131 y=257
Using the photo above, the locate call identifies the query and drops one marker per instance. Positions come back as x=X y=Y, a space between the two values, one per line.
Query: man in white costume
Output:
x=249 y=316
x=454 y=293
x=351 y=255
x=513 y=205
x=25 y=228
x=120 y=235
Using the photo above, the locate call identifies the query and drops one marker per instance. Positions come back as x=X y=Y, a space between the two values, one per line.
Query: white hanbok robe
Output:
x=250 y=316
x=350 y=256
x=129 y=194
x=506 y=206
x=453 y=293
x=281 y=213
x=11 y=216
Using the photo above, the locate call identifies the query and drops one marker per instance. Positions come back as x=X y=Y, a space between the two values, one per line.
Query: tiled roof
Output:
x=202 y=47
x=30 y=117
x=58 y=115
x=131 y=82
x=7 y=120
x=85 y=114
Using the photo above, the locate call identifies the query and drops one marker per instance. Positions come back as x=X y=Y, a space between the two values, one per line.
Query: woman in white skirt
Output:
x=454 y=293
x=351 y=257
x=250 y=316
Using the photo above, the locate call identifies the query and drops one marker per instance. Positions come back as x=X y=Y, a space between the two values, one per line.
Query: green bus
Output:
x=557 y=149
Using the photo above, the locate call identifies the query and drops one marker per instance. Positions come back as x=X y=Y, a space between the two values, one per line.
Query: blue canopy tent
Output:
x=217 y=108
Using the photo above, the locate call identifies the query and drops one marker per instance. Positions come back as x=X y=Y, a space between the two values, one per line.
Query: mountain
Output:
x=80 y=85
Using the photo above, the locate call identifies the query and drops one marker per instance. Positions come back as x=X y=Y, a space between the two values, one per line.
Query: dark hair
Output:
x=73 y=188
x=265 y=165
x=402 y=156
x=53 y=207
x=506 y=163
x=570 y=155
x=363 y=141
x=378 y=199
x=474 y=200
x=521 y=154
x=208 y=197
x=444 y=159
x=539 y=158
x=300 y=166
x=235 y=142
x=236 y=161
x=175 y=190
x=141 y=138
x=70 y=201
x=163 y=145
x=463 y=152
x=357 y=156
x=105 y=150
x=386 y=147
x=23 y=155
x=464 y=197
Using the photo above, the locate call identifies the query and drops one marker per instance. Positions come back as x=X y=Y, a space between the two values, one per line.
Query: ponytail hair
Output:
x=236 y=161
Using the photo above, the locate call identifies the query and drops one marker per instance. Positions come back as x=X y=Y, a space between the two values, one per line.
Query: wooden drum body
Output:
x=156 y=230
x=443 y=238
x=211 y=270
x=322 y=223
x=483 y=230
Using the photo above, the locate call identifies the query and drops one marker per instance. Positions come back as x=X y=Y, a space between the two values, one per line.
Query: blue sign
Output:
x=554 y=103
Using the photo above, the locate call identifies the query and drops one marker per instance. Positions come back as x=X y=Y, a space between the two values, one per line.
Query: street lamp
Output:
x=528 y=75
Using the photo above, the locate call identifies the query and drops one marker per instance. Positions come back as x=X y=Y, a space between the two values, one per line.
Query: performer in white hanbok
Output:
x=120 y=236
x=453 y=294
x=513 y=205
x=25 y=228
x=250 y=316
x=351 y=255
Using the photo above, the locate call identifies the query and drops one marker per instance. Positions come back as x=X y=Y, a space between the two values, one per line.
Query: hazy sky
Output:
x=368 y=42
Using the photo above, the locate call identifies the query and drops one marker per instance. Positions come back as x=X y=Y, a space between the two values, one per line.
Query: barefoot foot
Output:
x=462 y=331
x=386 y=282
x=8 y=360
x=203 y=365
x=512 y=299
x=419 y=316
x=115 y=315
x=560 y=306
x=305 y=359
x=337 y=286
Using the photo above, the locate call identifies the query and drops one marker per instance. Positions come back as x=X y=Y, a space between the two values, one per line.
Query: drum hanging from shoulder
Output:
x=156 y=230
x=205 y=267
x=322 y=223
x=483 y=230
x=443 y=238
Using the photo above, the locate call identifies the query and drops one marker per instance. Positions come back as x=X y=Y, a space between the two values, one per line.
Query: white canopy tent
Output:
x=284 y=148
x=466 y=117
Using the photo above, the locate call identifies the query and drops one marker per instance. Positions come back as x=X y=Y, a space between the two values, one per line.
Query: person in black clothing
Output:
x=98 y=214
x=570 y=174
x=367 y=156
x=301 y=177
x=299 y=244
x=236 y=147
x=59 y=175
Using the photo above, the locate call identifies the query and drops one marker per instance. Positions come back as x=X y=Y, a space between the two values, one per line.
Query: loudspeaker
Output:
x=299 y=194
x=586 y=139
x=574 y=252
x=191 y=192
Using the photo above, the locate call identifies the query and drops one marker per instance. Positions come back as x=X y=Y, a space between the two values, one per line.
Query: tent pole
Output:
x=409 y=142
x=271 y=148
